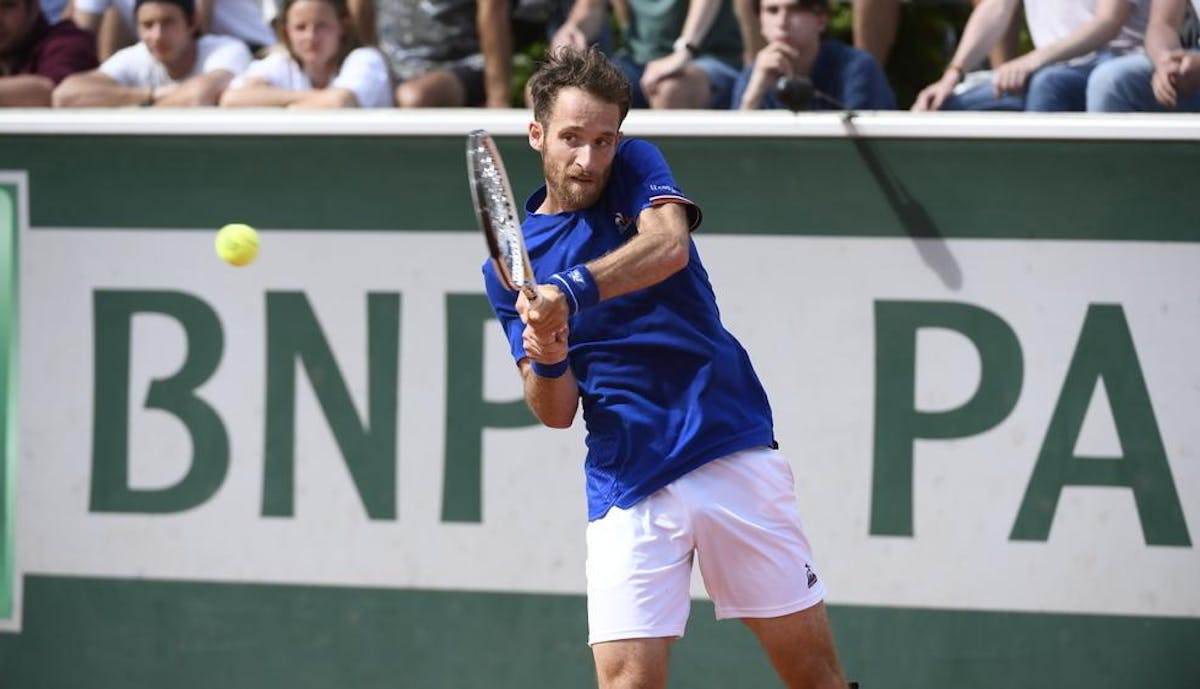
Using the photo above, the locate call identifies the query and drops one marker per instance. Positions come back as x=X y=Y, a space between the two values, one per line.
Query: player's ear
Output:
x=536 y=135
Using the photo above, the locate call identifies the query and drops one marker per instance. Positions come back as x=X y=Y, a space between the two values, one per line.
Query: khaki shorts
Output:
x=738 y=515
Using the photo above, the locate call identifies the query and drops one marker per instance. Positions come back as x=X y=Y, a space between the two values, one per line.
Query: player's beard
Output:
x=570 y=194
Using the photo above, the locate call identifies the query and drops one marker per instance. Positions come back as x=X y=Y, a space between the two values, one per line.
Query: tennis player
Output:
x=681 y=461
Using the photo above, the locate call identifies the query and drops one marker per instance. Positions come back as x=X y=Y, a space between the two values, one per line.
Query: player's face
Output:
x=16 y=17
x=314 y=32
x=788 y=22
x=577 y=144
x=166 y=31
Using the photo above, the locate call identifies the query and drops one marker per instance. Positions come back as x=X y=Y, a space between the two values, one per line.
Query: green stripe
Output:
x=1116 y=190
x=145 y=634
x=8 y=388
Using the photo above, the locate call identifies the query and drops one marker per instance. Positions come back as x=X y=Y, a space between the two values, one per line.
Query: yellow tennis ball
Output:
x=237 y=244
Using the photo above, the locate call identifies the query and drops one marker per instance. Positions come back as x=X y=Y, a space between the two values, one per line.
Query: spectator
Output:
x=793 y=30
x=680 y=54
x=169 y=67
x=242 y=19
x=1165 y=78
x=36 y=55
x=322 y=66
x=1070 y=38
x=874 y=24
x=443 y=53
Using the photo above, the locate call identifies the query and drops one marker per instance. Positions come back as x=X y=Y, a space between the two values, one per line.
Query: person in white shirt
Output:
x=242 y=19
x=321 y=65
x=1070 y=37
x=169 y=67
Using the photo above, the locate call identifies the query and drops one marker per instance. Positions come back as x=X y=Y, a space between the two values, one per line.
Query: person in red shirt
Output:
x=36 y=55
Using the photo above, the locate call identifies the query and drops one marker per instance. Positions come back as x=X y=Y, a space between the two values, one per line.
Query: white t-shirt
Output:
x=364 y=72
x=238 y=18
x=135 y=66
x=1050 y=21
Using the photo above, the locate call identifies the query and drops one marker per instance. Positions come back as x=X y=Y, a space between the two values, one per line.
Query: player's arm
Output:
x=660 y=249
x=553 y=401
x=97 y=89
x=26 y=91
x=495 y=42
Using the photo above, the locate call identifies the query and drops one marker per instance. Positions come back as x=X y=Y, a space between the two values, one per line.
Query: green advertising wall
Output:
x=79 y=630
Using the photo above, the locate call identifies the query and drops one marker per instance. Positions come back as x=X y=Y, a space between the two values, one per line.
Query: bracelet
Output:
x=682 y=43
x=551 y=370
x=954 y=67
x=580 y=287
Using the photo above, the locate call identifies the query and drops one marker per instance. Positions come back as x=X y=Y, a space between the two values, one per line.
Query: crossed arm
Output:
x=257 y=93
x=96 y=89
x=659 y=250
x=25 y=91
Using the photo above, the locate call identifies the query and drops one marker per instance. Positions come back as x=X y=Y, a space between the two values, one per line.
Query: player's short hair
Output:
x=814 y=5
x=188 y=6
x=588 y=69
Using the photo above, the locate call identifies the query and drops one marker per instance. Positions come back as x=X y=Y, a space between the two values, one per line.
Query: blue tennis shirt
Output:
x=665 y=387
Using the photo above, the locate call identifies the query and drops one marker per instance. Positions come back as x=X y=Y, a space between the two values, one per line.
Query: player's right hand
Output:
x=547 y=315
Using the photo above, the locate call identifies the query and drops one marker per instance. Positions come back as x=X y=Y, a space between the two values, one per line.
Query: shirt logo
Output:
x=812 y=576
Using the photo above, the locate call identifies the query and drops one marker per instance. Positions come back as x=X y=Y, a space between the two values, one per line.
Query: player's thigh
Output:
x=633 y=663
x=438 y=88
x=800 y=646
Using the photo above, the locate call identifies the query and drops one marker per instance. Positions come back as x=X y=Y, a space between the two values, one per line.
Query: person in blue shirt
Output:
x=844 y=77
x=681 y=457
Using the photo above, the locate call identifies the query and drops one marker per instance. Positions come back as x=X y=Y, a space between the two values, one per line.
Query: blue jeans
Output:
x=1123 y=85
x=1055 y=88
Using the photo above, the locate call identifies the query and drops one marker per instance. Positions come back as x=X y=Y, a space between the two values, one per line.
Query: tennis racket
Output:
x=497 y=214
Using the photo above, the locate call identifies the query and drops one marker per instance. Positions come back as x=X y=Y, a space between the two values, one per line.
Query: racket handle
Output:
x=531 y=294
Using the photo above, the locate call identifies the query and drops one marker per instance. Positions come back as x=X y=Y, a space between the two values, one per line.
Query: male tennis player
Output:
x=680 y=460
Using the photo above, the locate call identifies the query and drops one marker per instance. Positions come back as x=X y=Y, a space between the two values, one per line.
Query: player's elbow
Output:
x=676 y=255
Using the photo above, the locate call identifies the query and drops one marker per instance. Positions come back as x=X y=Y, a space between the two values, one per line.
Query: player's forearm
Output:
x=495 y=42
x=1162 y=32
x=26 y=91
x=659 y=250
x=553 y=401
x=1110 y=16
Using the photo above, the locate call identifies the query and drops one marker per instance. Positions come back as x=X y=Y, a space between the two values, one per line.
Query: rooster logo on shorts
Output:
x=812 y=576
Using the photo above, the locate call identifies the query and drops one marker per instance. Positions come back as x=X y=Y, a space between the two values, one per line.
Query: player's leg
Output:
x=801 y=649
x=757 y=562
x=633 y=663
x=639 y=566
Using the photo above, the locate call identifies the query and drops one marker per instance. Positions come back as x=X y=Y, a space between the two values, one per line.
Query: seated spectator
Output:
x=874 y=24
x=443 y=53
x=169 y=67
x=36 y=55
x=793 y=30
x=1070 y=38
x=680 y=54
x=1165 y=78
x=321 y=66
x=242 y=19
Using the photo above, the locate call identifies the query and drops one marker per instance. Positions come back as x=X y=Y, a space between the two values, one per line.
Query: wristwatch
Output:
x=682 y=43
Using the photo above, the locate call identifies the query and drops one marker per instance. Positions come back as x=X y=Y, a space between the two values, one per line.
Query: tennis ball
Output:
x=237 y=244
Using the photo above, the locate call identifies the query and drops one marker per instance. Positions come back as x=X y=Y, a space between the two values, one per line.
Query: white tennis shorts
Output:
x=738 y=514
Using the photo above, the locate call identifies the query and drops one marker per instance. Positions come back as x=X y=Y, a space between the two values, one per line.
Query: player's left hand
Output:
x=547 y=351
